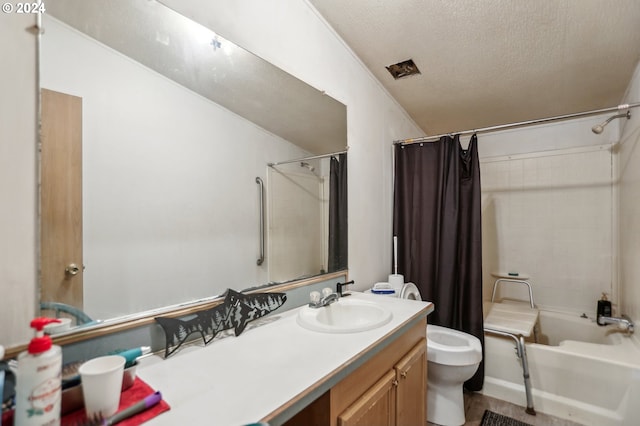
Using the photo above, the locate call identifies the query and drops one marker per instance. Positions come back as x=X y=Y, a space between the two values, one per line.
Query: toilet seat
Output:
x=447 y=346
x=410 y=291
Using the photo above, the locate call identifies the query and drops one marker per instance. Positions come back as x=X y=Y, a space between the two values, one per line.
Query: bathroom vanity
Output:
x=282 y=373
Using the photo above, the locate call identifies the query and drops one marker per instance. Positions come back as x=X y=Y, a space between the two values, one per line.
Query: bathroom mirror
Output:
x=173 y=129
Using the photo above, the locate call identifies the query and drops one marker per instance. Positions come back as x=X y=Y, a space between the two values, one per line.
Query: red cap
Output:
x=40 y=343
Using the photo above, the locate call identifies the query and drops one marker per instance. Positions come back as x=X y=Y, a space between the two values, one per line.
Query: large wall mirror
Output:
x=175 y=164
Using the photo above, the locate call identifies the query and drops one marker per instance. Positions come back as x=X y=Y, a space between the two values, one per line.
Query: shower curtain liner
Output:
x=437 y=219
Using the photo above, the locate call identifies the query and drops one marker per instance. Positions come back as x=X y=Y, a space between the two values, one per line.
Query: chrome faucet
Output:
x=328 y=297
x=624 y=322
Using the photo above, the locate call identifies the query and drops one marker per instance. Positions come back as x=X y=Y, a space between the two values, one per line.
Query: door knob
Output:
x=72 y=269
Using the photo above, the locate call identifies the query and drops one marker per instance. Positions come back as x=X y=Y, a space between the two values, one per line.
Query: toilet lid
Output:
x=410 y=291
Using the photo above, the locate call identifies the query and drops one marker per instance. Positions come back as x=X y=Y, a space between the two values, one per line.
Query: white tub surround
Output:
x=272 y=371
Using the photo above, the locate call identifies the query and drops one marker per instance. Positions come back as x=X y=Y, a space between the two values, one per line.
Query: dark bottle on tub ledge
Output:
x=604 y=308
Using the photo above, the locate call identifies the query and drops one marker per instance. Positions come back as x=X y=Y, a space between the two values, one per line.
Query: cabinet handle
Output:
x=403 y=374
x=395 y=382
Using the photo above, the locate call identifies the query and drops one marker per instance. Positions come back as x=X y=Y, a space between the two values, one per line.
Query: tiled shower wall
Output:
x=297 y=243
x=551 y=215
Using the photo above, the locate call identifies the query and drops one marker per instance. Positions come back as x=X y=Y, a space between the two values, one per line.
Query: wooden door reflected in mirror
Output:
x=61 y=199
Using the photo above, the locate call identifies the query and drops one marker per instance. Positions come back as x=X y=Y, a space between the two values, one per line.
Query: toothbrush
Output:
x=134 y=409
x=132 y=354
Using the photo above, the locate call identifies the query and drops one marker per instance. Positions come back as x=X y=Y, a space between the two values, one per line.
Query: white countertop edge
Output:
x=271 y=371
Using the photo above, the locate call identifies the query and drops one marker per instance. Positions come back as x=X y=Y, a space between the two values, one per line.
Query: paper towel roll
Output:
x=396 y=281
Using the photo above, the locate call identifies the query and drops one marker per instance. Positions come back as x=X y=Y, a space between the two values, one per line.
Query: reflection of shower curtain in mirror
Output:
x=437 y=218
x=338 y=213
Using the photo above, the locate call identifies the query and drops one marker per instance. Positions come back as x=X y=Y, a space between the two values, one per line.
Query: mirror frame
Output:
x=147 y=318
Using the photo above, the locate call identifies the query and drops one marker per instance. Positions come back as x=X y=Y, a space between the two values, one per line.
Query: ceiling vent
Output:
x=403 y=69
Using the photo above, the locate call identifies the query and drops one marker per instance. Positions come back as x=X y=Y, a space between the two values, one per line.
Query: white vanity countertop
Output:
x=241 y=380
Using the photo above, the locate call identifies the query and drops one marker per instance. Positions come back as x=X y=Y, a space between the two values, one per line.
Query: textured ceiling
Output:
x=493 y=62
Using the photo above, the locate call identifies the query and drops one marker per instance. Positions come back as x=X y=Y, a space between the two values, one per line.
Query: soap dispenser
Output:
x=604 y=308
x=38 y=380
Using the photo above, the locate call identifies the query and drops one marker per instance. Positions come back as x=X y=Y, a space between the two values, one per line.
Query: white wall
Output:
x=629 y=217
x=18 y=177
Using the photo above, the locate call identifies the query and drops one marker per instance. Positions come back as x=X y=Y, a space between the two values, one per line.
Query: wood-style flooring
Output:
x=476 y=403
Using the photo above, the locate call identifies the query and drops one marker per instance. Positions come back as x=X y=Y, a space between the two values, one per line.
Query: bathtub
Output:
x=579 y=371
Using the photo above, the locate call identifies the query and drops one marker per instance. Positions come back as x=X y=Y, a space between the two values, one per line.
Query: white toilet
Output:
x=453 y=358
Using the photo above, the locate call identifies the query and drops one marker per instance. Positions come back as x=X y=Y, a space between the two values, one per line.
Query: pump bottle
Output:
x=38 y=380
x=604 y=308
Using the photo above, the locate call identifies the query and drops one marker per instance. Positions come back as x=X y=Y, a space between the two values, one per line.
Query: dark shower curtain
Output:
x=338 y=213
x=437 y=221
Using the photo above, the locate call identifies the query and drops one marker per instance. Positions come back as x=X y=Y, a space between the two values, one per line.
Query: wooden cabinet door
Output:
x=375 y=407
x=411 y=394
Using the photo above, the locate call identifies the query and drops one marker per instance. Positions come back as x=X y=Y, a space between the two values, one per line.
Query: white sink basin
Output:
x=344 y=316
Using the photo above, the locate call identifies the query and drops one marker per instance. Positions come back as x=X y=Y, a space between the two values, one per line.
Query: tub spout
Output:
x=623 y=322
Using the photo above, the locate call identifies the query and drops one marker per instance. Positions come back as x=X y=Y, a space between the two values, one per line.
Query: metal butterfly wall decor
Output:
x=235 y=313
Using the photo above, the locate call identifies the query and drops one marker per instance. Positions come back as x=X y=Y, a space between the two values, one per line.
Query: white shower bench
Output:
x=516 y=320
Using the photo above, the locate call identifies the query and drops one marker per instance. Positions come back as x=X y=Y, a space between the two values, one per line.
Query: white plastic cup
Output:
x=101 y=385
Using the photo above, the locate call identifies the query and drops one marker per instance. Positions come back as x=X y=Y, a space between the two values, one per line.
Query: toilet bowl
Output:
x=453 y=358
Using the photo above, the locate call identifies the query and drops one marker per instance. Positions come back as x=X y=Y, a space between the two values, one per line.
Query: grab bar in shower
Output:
x=261 y=187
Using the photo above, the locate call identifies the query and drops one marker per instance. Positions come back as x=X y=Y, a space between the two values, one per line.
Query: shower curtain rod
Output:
x=307 y=158
x=622 y=107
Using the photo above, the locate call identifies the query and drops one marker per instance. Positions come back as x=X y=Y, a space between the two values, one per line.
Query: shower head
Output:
x=307 y=166
x=598 y=128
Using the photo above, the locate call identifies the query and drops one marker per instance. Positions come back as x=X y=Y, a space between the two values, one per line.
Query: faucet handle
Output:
x=326 y=291
x=339 y=287
x=314 y=297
